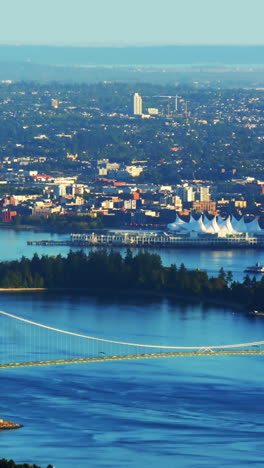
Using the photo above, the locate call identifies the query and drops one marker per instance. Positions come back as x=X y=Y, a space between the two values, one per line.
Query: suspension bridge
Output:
x=25 y=343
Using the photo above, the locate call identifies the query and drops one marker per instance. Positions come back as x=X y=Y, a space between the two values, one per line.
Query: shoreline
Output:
x=50 y=229
x=34 y=228
x=7 y=425
x=128 y=292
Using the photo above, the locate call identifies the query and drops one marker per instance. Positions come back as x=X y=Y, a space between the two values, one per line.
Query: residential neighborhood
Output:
x=95 y=156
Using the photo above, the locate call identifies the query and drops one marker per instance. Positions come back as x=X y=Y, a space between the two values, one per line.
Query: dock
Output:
x=50 y=243
x=156 y=239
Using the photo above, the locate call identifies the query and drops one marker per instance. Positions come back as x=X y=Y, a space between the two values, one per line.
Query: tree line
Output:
x=102 y=270
x=11 y=464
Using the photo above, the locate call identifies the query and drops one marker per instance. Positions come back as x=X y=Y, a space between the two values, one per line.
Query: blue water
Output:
x=176 y=412
x=13 y=244
x=184 y=412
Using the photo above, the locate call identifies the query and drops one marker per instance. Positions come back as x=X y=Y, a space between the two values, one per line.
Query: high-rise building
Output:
x=186 y=193
x=55 y=103
x=204 y=194
x=137 y=104
x=176 y=103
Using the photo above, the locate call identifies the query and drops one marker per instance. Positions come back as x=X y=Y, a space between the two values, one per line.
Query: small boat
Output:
x=257 y=268
x=256 y=313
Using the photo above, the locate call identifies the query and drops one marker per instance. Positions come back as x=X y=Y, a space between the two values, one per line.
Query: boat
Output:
x=257 y=268
x=256 y=313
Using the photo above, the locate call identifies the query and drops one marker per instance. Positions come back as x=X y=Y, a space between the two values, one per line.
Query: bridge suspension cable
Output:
x=140 y=345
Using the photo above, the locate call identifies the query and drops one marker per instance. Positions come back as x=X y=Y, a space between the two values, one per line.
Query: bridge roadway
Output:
x=131 y=356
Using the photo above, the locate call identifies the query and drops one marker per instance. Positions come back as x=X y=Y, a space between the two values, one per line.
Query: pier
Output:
x=156 y=239
x=50 y=243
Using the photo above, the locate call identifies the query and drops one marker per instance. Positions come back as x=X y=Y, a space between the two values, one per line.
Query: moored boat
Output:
x=257 y=268
x=256 y=313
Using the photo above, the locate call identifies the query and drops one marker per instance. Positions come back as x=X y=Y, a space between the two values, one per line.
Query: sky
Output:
x=129 y=22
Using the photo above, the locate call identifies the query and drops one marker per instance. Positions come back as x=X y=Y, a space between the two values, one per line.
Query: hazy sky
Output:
x=132 y=21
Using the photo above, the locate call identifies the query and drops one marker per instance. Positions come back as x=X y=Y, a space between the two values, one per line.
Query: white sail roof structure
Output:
x=226 y=228
x=177 y=224
x=192 y=224
x=211 y=225
x=220 y=221
x=206 y=220
x=195 y=225
x=228 y=224
x=239 y=224
x=220 y=226
x=253 y=226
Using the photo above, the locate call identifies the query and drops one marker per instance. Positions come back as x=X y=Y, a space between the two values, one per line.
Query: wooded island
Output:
x=104 y=271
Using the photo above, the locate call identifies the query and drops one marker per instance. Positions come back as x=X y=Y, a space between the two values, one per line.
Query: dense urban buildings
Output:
x=82 y=151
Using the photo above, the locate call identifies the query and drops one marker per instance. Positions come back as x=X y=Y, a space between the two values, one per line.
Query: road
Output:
x=130 y=357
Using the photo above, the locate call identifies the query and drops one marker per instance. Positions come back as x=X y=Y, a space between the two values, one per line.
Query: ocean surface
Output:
x=173 y=412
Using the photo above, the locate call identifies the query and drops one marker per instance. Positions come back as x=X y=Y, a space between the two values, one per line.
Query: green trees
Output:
x=11 y=464
x=105 y=271
x=63 y=222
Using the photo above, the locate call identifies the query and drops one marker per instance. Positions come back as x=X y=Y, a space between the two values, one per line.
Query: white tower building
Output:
x=204 y=193
x=137 y=104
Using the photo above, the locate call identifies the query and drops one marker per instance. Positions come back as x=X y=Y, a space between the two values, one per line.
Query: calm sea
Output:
x=177 y=412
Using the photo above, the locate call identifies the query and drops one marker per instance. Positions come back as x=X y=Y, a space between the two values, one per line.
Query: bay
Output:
x=187 y=412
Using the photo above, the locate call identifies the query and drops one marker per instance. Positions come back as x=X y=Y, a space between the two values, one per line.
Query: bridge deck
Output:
x=131 y=356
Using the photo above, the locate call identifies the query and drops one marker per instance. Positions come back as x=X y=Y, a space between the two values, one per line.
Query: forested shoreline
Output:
x=104 y=270
x=11 y=464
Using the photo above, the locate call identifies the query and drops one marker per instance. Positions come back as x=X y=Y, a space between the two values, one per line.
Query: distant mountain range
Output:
x=140 y=55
